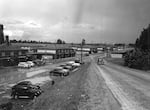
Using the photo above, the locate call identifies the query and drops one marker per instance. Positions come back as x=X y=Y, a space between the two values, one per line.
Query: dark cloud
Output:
x=96 y=20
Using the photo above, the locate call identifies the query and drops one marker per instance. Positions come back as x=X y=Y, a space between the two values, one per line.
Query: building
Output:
x=15 y=52
x=11 y=55
x=52 y=51
x=86 y=49
x=1 y=34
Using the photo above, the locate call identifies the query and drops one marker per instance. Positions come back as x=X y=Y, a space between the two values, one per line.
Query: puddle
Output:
x=30 y=74
x=39 y=80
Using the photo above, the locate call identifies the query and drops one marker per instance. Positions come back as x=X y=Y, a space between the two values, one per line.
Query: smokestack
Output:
x=1 y=34
x=7 y=40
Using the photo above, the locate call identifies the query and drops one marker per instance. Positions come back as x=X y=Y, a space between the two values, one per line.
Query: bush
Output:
x=137 y=59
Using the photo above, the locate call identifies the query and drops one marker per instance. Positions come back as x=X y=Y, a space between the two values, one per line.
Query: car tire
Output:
x=33 y=96
x=53 y=82
x=15 y=96
x=65 y=74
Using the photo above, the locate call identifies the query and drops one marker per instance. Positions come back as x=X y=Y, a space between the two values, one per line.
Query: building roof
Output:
x=10 y=47
x=25 y=46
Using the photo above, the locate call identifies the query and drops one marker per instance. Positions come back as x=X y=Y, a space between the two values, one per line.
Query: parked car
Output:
x=24 y=65
x=76 y=64
x=62 y=65
x=39 y=62
x=70 y=62
x=70 y=68
x=30 y=63
x=78 y=61
x=59 y=71
x=25 y=88
x=100 y=61
x=87 y=54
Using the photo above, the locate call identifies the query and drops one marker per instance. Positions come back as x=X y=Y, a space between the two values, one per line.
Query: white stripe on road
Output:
x=30 y=74
x=126 y=101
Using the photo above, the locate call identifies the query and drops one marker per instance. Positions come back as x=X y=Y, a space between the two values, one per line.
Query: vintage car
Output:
x=100 y=61
x=27 y=89
x=59 y=71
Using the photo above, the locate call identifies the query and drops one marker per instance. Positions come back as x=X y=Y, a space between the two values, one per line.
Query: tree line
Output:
x=139 y=58
x=59 y=41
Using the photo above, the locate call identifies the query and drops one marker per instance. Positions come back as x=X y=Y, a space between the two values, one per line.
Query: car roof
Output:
x=70 y=62
x=58 y=67
x=63 y=65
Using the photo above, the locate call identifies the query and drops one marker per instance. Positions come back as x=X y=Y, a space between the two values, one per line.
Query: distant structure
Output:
x=7 y=40
x=1 y=34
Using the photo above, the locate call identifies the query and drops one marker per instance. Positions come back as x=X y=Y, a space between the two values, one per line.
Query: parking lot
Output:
x=37 y=75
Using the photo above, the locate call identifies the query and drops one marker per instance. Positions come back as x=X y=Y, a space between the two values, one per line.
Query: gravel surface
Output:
x=97 y=96
x=65 y=95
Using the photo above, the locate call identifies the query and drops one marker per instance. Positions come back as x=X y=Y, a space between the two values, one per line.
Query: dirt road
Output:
x=97 y=95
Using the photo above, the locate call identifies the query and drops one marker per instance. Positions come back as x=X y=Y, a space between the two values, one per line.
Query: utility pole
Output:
x=82 y=43
x=81 y=52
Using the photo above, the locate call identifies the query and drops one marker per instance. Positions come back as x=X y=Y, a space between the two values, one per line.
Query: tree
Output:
x=143 y=42
x=137 y=43
x=59 y=41
x=83 y=41
x=63 y=42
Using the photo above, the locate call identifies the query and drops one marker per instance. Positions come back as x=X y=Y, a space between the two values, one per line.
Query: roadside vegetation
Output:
x=139 y=58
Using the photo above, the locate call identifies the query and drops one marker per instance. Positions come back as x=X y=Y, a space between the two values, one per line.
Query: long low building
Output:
x=16 y=52
x=10 y=55
x=85 y=49
x=54 y=51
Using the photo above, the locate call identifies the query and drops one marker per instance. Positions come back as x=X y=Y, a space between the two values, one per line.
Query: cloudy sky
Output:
x=100 y=21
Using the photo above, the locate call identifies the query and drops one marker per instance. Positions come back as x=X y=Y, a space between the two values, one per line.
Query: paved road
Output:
x=130 y=87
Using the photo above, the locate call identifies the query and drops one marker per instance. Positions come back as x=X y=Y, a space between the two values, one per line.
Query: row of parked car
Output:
x=27 y=89
x=30 y=64
x=65 y=69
